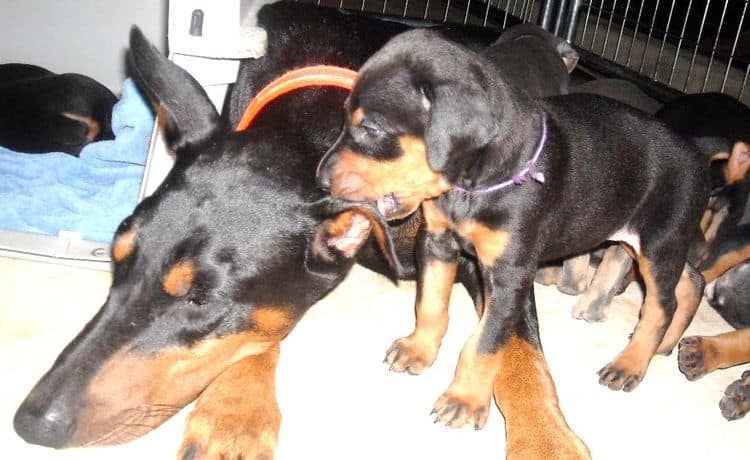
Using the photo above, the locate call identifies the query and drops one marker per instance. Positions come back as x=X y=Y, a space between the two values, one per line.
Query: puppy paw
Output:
x=618 y=376
x=230 y=433
x=736 y=400
x=572 y=285
x=591 y=311
x=693 y=357
x=410 y=355
x=456 y=410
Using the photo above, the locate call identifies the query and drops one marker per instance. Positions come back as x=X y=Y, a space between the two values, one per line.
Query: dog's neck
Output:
x=508 y=160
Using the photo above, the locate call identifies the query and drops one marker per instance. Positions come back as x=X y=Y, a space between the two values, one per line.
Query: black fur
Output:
x=32 y=103
x=243 y=207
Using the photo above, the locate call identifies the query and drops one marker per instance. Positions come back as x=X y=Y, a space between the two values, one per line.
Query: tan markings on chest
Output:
x=489 y=243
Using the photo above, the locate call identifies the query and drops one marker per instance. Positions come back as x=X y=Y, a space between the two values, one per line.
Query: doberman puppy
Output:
x=699 y=355
x=195 y=309
x=538 y=61
x=516 y=182
x=719 y=125
x=44 y=112
x=723 y=260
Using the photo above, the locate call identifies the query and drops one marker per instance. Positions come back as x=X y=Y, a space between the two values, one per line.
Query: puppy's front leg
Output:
x=437 y=258
x=507 y=287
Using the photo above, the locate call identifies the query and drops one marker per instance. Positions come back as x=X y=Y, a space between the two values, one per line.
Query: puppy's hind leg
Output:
x=575 y=279
x=609 y=277
x=660 y=274
x=689 y=291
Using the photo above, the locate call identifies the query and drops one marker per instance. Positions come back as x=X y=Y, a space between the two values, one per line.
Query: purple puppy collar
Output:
x=529 y=170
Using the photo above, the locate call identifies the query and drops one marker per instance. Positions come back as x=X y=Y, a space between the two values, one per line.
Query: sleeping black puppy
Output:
x=44 y=112
x=538 y=61
x=517 y=182
x=700 y=355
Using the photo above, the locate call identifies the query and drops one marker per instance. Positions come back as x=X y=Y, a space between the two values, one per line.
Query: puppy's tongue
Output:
x=387 y=205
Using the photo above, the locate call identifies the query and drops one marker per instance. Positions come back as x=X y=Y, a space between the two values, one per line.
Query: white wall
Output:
x=83 y=36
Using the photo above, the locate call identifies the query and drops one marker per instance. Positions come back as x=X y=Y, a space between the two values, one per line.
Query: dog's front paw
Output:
x=693 y=357
x=230 y=432
x=410 y=355
x=621 y=375
x=736 y=400
x=457 y=410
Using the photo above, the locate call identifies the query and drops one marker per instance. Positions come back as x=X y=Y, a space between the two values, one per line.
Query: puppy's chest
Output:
x=480 y=232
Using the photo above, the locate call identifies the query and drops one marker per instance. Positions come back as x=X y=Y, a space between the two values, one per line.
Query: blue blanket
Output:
x=89 y=195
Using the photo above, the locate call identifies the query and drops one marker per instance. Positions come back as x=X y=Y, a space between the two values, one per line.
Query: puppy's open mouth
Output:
x=388 y=206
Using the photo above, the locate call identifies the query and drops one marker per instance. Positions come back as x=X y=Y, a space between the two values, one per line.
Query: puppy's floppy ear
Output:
x=181 y=103
x=460 y=120
x=345 y=228
x=568 y=54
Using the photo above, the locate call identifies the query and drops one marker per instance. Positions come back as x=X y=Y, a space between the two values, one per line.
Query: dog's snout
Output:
x=714 y=298
x=49 y=428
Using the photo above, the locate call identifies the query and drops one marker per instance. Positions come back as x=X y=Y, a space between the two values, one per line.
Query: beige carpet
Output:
x=340 y=402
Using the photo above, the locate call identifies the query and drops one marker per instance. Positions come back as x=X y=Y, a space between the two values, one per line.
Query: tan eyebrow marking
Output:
x=179 y=279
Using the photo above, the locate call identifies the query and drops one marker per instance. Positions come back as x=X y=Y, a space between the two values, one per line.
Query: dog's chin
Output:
x=393 y=209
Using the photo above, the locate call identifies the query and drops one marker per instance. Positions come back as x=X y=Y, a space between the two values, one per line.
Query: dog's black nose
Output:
x=48 y=428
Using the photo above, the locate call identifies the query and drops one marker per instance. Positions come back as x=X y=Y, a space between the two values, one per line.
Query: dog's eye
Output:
x=371 y=129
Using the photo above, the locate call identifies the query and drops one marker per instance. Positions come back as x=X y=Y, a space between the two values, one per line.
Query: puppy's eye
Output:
x=371 y=128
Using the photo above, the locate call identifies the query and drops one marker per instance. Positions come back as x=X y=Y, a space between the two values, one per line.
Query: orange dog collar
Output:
x=305 y=77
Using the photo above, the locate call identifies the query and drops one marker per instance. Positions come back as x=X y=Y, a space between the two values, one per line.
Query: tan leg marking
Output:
x=700 y=355
x=237 y=416
x=591 y=306
x=688 y=297
x=417 y=351
x=467 y=399
x=727 y=350
x=627 y=369
x=716 y=219
x=575 y=276
x=726 y=262
x=535 y=428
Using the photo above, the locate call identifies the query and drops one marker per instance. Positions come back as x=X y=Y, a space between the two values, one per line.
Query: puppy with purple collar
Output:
x=516 y=182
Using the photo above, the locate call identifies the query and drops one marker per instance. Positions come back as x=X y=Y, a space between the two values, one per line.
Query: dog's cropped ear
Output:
x=344 y=229
x=568 y=54
x=460 y=121
x=181 y=103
